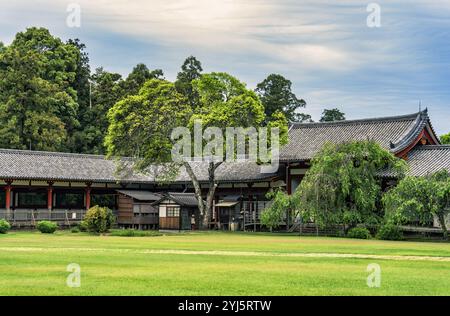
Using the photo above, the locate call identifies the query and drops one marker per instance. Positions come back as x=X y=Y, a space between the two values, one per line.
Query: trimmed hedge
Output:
x=359 y=233
x=99 y=219
x=4 y=226
x=135 y=233
x=83 y=226
x=390 y=232
x=46 y=227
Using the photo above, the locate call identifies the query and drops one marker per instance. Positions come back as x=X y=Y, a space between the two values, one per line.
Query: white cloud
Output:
x=254 y=27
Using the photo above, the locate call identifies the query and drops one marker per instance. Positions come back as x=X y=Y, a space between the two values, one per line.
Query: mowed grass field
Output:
x=216 y=263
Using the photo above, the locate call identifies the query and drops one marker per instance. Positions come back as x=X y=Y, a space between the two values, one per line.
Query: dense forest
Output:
x=51 y=100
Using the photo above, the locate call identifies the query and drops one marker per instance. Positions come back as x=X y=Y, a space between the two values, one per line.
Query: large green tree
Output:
x=332 y=115
x=141 y=126
x=343 y=187
x=137 y=77
x=420 y=199
x=106 y=90
x=190 y=71
x=81 y=84
x=445 y=139
x=38 y=102
x=277 y=96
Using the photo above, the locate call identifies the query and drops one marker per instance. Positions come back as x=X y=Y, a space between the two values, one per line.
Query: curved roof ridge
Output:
x=366 y=120
x=433 y=147
x=422 y=121
x=55 y=153
x=410 y=134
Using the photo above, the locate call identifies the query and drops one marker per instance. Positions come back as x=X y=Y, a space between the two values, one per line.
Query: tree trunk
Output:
x=197 y=192
x=441 y=218
x=212 y=185
x=205 y=209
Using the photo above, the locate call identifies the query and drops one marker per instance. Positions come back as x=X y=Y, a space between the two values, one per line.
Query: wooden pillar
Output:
x=50 y=195
x=288 y=180
x=8 y=195
x=88 y=196
x=8 y=199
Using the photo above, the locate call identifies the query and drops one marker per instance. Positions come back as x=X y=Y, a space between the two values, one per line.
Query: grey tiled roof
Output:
x=185 y=199
x=229 y=172
x=141 y=195
x=51 y=166
x=37 y=165
x=426 y=160
x=392 y=133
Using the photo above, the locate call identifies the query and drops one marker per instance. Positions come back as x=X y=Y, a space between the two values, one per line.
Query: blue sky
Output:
x=324 y=47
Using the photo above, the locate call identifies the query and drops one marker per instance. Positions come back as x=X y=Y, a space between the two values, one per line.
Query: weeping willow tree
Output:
x=421 y=199
x=343 y=187
x=279 y=210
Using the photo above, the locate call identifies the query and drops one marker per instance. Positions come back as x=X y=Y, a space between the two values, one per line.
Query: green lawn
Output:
x=232 y=264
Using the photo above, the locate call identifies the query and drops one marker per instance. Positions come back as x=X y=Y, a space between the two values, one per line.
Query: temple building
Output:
x=62 y=186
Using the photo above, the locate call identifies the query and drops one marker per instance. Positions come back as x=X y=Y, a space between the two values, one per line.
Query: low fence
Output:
x=27 y=217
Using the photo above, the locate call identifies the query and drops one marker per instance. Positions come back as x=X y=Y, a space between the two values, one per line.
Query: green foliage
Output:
x=420 y=199
x=141 y=125
x=82 y=76
x=99 y=219
x=38 y=104
x=4 y=226
x=46 y=227
x=445 y=139
x=106 y=90
x=359 y=233
x=390 y=231
x=190 y=71
x=75 y=230
x=138 y=76
x=83 y=226
x=135 y=233
x=332 y=115
x=226 y=102
x=277 y=96
x=342 y=186
x=274 y=215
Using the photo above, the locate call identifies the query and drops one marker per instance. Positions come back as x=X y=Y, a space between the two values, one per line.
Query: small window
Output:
x=173 y=211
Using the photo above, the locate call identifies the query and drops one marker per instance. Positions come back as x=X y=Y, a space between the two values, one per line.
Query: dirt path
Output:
x=231 y=253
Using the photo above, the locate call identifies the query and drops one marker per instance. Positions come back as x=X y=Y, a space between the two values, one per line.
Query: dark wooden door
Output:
x=185 y=220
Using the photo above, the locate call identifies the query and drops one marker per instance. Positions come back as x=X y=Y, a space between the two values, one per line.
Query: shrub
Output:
x=99 y=219
x=82 y=226
x=46 y=227
x=4 y=226
x=75 y=230
x=390 y=232
x=135 y=233
x=359 y=233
